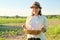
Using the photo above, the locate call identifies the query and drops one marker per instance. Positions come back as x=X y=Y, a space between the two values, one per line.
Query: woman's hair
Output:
x=39 y=13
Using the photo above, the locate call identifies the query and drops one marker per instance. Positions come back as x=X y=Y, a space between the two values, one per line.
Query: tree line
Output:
x=48 y=16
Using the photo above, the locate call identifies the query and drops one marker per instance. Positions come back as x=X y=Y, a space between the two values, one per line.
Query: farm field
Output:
x=11 y=29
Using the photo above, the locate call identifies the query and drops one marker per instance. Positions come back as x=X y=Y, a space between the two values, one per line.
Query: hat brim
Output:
x=33 y=6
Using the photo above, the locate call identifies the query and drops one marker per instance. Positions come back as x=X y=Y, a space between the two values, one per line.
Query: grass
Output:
x=53 y=32
x=53 y=29
x=10 y=31
x=12 y=20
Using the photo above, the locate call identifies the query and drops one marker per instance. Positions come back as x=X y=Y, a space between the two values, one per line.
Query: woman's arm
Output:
x=45 y=25
x=24 y=25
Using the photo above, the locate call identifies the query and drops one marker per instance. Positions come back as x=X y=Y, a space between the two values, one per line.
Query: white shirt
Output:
x=34 y=23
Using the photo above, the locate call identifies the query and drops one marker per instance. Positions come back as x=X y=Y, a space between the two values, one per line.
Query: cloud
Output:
x=13 y=12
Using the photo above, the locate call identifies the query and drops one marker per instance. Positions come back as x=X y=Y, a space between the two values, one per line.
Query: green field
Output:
x=12 y=20
x=53 y=33
x=12 y=27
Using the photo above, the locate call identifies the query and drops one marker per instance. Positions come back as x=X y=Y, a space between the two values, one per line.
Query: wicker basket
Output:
x=33 y=32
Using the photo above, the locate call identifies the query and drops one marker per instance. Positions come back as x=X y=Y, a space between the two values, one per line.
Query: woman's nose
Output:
x=34 y=9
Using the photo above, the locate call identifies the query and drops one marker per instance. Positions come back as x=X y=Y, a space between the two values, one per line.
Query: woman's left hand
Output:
x=43 y=28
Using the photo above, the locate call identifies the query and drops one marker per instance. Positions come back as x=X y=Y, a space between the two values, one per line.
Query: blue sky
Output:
x=22 y=7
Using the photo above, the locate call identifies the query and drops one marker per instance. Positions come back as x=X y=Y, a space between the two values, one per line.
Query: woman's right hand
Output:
x=24 y=26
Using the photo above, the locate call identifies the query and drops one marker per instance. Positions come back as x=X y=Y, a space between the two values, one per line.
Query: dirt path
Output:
x=16 y=38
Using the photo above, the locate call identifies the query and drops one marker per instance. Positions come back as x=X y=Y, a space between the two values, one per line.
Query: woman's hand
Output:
x=24 y=26
x=43 y=28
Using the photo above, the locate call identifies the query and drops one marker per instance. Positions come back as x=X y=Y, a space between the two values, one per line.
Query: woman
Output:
x=36 y=24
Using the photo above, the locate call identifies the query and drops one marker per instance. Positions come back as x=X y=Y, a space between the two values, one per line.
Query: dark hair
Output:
x=39 y=13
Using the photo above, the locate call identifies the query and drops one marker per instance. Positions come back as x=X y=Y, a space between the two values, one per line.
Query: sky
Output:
x=22 y=7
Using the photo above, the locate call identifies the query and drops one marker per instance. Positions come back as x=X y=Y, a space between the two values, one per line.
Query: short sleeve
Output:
x=45 y=23
x=27 y=21
x=28 y=18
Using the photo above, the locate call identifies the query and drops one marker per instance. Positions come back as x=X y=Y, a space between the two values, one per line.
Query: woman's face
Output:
x=35 y=10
